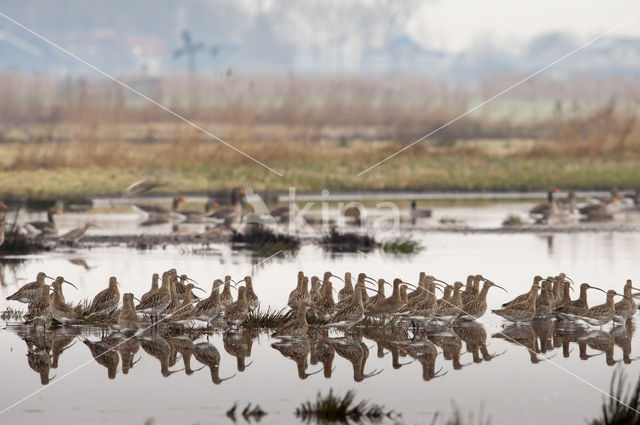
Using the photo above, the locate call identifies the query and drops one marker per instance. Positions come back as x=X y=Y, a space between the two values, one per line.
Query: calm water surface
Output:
x=504 y=380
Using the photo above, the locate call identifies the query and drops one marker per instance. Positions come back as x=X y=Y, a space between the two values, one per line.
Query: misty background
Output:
x=456 y=42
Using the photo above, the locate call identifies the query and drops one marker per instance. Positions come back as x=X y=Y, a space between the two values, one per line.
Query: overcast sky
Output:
x=455 y=24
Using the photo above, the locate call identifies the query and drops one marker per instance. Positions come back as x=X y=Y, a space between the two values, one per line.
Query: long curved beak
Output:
x=226 y=379
x=313 y=373
x=409 y=284
x=337 y=277
x=197 y=287
x=635 y=288
x=66 y=281
x=569 y=279
x=623 y=296
x=374 y=290
x=48 y=277
x=570 y=283
x=498 y=286
x=137 y=300
x=372 y=280
x=601 y=290
x=192 y=280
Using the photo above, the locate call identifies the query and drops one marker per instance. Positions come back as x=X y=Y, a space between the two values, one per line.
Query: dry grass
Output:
x=67 y=169
x=89 y=136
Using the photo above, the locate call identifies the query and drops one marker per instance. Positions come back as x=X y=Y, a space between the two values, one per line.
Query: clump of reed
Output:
x=81 y=307
x=262 y=241
x=370 y=322
x=401 y=246
x=248 y=413
x=512 y=221
x=623 y=405
x=450 y=221
x=348 y=242
x=12 y=314
x=332 y=408
x=267 y=319
x=17 y=243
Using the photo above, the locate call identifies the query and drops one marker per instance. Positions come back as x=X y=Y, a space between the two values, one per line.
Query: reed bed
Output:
x=12 y=314
x=331 y=408
x=267 y=319
x=623 y=405
x=250 y=412
x=336 y=241
x=263 y=242
x=16 y=243
x=401 y=246
x=513 y=220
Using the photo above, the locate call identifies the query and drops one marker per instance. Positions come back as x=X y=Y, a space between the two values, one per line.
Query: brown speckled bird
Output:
x=107 y=300
x=603 y=313
x=476 y=308
x=237 y=312
x=210 y=308
x=158 y=301
x=30 y=291
x=300 y=294
x=39 y=311
x=626 y=307
x=296 y=327
x=520 y=312
x=347 y=291
x=572 y=310
x=128 y=318
x=225 y=297
x=523 y=297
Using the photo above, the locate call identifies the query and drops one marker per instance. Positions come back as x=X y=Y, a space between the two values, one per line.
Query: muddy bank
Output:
x=142 y=241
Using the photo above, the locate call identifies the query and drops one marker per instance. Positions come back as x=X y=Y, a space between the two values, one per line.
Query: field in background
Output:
x=74 y=136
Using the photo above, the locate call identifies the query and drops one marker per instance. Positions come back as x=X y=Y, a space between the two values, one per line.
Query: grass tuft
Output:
x=332 y=408
x=16 y=243
x=267 y=319
x=513 y=221
x=401 y=246
x=263 y=241
x=622 y=407
x=12 y=314
x=248 y=413
x=348 y=242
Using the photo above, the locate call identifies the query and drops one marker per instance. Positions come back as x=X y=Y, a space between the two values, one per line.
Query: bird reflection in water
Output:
x=104 y=353
x=462 y=344
x=321 y=351
x=298 y=351
x=353 y=349
x=158 y=347
x=239 y=344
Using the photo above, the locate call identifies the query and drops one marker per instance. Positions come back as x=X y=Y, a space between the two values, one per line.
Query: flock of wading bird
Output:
x=552 y=314
x=174 y=303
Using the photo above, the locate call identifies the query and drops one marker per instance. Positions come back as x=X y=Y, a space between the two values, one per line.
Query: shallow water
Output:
x=510 y=387
x=115 y=216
